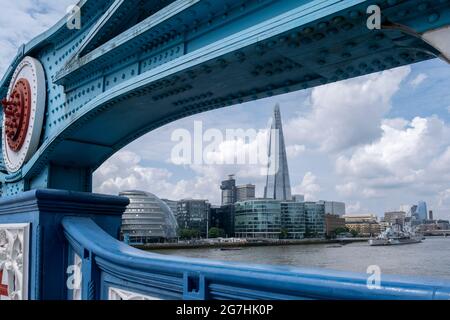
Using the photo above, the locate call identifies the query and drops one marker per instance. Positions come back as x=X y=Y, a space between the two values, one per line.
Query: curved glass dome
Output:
x=147 y=218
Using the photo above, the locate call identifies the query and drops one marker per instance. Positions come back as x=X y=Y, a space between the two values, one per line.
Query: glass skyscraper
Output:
x=422 y=211
x=278 y=185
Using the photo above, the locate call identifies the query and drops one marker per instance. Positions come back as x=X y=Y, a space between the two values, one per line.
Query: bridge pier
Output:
x=36 y=245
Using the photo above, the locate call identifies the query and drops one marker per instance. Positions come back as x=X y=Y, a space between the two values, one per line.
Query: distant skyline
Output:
x=375 y=142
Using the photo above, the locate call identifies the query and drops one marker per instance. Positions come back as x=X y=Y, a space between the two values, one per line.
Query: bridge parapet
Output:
x=56 y=238
x=114 y=270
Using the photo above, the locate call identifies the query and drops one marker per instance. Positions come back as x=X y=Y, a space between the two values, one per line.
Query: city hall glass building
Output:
x=147 y=219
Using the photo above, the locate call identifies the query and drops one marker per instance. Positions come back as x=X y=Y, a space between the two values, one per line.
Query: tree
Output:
x=216 y=233
x=188 y=234
x=341 y=230
x=284 y=234
x=354 y=233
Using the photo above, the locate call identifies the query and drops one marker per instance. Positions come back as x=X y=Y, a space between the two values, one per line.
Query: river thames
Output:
x=430 y=258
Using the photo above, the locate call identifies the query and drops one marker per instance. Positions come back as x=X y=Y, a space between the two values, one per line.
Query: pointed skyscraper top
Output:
x=278 y=185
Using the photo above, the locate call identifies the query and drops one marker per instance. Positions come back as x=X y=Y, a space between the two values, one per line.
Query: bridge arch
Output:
x=108 y=85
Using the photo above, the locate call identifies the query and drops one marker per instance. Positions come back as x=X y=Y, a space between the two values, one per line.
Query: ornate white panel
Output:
x=14 y=256
x=120 y=294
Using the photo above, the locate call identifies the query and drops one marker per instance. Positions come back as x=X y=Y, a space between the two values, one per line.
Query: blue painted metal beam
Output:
x=123 y=75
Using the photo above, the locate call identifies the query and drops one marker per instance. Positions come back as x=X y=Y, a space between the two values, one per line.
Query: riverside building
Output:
x=147 y=219
x=274 y=219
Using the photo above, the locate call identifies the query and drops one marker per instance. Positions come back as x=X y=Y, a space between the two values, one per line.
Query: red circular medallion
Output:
x=17 y=110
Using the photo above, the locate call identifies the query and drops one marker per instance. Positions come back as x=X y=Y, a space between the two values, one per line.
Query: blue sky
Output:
x=376 y=142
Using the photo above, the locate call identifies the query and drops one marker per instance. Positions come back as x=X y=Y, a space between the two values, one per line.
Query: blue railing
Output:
x=111 y=270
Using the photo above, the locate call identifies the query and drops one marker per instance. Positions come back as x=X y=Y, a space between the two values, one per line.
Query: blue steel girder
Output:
x=135 y=66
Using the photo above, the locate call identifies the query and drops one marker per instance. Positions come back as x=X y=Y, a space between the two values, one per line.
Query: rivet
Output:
x=318 y=36
x=354 y=14
x=423 y=6
x=433 y=17
x=322 y=25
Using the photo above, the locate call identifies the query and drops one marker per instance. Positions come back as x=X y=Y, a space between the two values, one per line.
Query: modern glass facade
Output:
x=147 y=219
x=293 y=220
x=422 y=211
x=223 y=218
x=193 y=214
x=258 y=219
x=273 y=219
x=315 y=220
x=228 y=188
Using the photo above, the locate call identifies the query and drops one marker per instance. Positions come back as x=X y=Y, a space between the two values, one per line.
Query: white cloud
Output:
x=308 y=187
x=353 y=208
x=24 y=19
x=412 y=155
x=125 y=171
x=295 y=150
x=418 y=80
x=347 y=113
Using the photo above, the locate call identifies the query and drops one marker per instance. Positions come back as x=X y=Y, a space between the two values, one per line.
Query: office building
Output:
x=147 y=219
x=231 y=193
x=293 y=220
x=298 y=198
x=365 y=225
x=245 y=192
x=222 y=217
x=315 y=219
x=334 y=207
x=395 y=217
x=260 y=218
x=278 y=185
x=193 y=214
x=385 y=225
x=333 y=222
x=228 y=188
x=422 y=211
x=274 y=219
x=431 y=217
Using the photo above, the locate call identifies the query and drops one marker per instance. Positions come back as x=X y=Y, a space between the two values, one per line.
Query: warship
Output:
x=395 y=235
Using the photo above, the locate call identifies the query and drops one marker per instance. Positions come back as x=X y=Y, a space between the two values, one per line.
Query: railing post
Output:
x=46 y=262
x=194 y=287
x=90 y=288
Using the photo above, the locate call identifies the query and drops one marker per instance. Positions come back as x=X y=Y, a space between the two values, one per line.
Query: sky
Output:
x=376 y=142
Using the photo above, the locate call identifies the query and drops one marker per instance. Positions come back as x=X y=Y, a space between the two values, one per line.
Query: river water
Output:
x=430 y=258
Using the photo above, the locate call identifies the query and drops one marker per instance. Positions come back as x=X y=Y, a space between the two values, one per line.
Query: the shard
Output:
x=278 y=185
